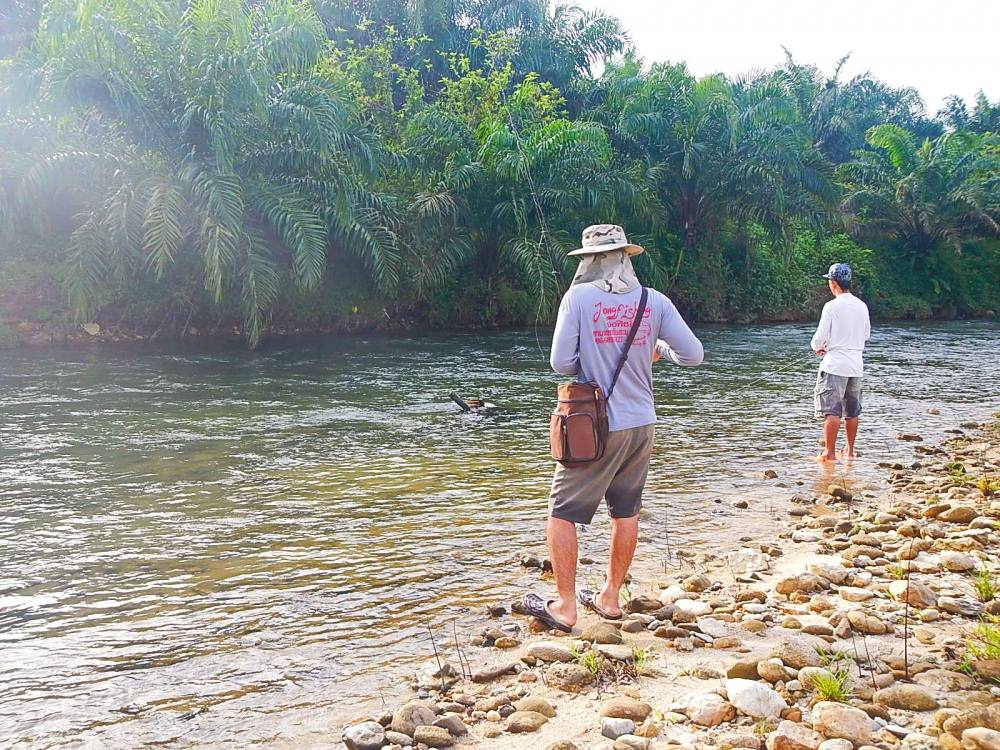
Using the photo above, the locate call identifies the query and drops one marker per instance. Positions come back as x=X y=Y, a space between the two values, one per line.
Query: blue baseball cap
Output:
x=839 y=272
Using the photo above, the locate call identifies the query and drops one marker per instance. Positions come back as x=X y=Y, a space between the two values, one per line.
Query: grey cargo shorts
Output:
x=837 y=395
x=618 y=477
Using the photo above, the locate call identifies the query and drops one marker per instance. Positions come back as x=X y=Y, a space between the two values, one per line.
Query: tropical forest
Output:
x=175 y=168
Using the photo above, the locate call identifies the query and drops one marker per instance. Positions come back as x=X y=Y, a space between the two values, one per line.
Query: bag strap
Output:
x=640 y=311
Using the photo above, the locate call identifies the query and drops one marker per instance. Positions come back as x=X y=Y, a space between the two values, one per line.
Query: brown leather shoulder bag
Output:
x=578 y=429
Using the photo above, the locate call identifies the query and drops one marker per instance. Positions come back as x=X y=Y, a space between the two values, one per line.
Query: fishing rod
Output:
x=797 y=361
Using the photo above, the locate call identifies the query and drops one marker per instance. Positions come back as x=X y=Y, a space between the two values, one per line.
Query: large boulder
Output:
x=754 y=698
x=841 y=721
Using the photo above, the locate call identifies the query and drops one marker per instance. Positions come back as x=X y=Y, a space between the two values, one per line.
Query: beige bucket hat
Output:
x=600 y=238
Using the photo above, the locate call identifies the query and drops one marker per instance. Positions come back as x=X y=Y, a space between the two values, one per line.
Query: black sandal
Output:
x=534 y=606
x=589 y=600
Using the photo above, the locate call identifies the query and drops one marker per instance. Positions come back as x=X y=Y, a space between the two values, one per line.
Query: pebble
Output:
x=613 y=728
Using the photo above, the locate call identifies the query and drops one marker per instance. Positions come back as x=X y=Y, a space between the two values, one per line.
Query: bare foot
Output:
x=825 y=458
x=564 y=611
x=848 y=453
x=609 y=603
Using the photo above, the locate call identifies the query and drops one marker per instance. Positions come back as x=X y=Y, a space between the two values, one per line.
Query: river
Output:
x=225 y=549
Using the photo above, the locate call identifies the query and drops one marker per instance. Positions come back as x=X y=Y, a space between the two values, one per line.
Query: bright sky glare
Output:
x=940 y=48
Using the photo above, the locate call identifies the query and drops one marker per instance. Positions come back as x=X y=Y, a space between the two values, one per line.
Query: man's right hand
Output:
x=821 y=352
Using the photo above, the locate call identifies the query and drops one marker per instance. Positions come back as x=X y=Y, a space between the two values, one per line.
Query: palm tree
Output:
x=715 y=151
x=927 y=197
x=205 y=132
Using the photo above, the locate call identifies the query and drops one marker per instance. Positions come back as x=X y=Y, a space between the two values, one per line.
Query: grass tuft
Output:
x=835 y=687
x=985 y=585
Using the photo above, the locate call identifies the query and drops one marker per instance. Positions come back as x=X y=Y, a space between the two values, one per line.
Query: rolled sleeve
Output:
x=683 y=347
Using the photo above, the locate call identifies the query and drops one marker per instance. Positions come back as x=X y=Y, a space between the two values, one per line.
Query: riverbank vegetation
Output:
x=292 y=165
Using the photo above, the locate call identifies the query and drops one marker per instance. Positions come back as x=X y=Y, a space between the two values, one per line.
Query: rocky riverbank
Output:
x=868 y=621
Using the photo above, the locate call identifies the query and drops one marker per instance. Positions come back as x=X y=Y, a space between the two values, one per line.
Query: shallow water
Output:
x=235 y=549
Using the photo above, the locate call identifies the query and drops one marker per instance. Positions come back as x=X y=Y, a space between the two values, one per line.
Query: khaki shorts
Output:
x=618 y=477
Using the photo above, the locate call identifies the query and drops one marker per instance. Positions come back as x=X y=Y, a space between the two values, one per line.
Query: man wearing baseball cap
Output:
x=844 y=327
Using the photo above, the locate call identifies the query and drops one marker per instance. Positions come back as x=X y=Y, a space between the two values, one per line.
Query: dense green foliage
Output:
x=366 y=162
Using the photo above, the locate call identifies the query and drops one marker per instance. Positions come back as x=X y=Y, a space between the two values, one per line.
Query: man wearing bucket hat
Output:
x=595 y=319
x=844 y=327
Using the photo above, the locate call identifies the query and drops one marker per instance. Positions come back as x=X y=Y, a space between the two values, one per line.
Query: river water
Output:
x=234 y=549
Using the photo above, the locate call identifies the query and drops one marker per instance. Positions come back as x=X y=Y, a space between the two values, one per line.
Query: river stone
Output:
x=490 y=674
x=964 y=607
x=753 y=626
x=601 y=632
x=836 y=720
x=772 y=670
x=913 y=593
x=711 y=626
x=568 y=677
x=643 y=604
x=734 y=740
x=836 y=744
x=958 y=514
x=945 y=680
x=615 y=653
x=744 y=669
x=410 y=716
x=537 y=704
x=623 y=707
x=957 y=562
x=693 y=607
x=433 y=736
x=835 y=574
x=981 y=716
x=453 y=724
x=397 y=738
x=808 y=675
x=550 y=651
x=906 y=697
x=802 y=583
x=614 y=728
x=521 y=722
x=562 y=745
x=436 y=674
x=796 y=653
x=696 y=583
x=854 y=594
x=755 y=699
x=792 y=736
x=709 y=710
x=981 y=738
x=368 y=735
x=987 y=669
x=745 y=561
x=869 y=624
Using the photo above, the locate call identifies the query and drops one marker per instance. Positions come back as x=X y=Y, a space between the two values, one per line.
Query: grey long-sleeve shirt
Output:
x=590 y=332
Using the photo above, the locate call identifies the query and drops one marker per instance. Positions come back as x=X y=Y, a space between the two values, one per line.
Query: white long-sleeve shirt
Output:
x=590 y=332
x=844 y=327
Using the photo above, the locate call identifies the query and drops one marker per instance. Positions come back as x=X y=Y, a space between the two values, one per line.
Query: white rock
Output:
x=754 y=698
x=711 y=626
x=744 y=561
x=693 y=607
